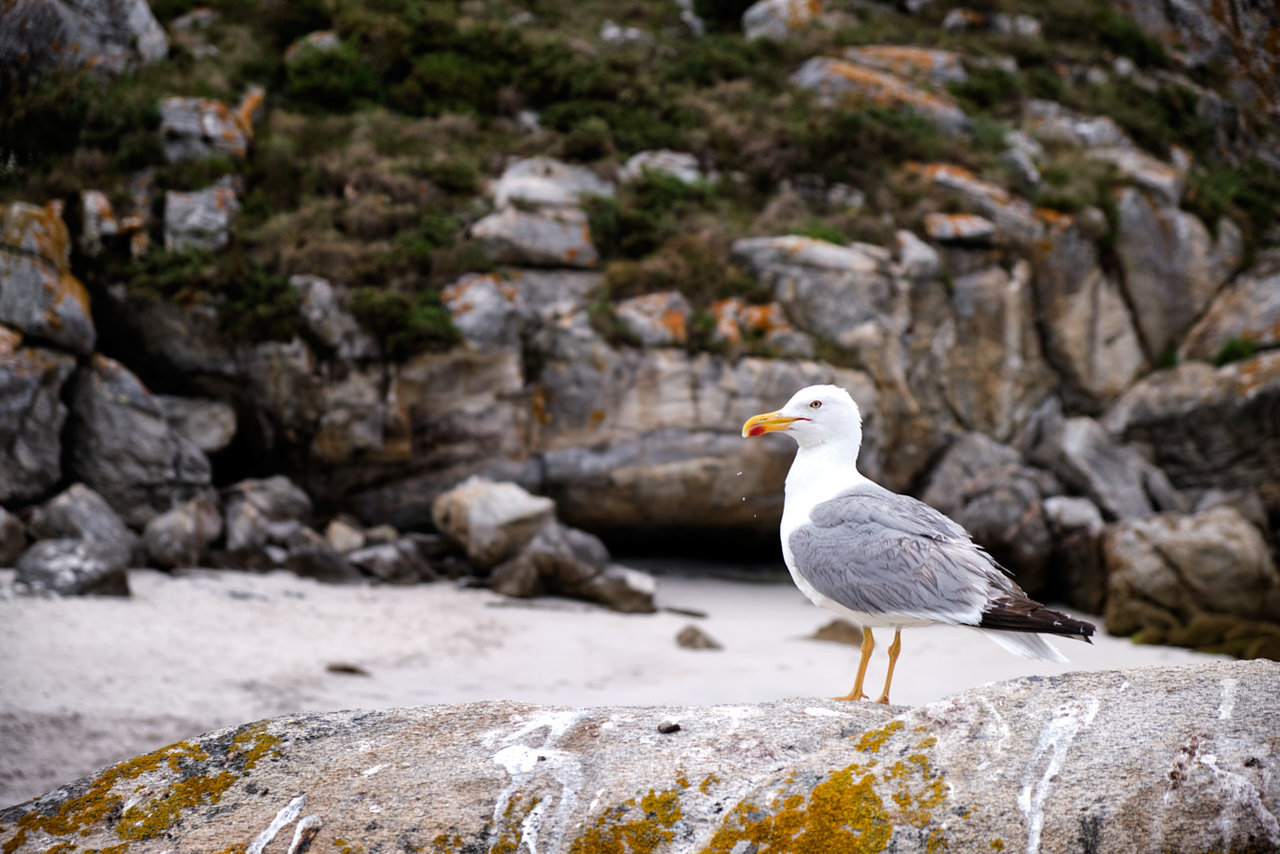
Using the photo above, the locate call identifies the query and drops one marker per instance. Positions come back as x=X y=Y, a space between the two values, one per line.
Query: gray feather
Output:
x=878 y=552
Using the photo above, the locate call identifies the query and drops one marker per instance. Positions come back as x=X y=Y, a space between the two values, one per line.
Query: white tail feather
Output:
x=1025 y=644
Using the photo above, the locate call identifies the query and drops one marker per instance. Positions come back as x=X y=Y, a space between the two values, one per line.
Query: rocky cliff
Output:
x=376 y=251
x=1156 y=759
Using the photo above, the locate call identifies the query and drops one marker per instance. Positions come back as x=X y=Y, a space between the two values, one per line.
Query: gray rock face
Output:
x=38 y=294
x=401 y=562
x=110 y=35
x=541 y=182
x=31 y=417
x=1117 y=478
x=986 y=487
x=330 y=322
x=834 y=80
x=210 y=425
x=181 y=536
x=1248 y=309
x=199 y=128
x=1171 y=267
x=124 y=448
x=778 y=19
x=79 y=513
x=199 y=220
x=657 y=319
x=1034 y=764
x=1179 y=414
x=1206 y=580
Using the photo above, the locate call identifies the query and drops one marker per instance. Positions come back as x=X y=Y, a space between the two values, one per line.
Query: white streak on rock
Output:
x=1228 y=704
x=287 y=814
x=1055 y=737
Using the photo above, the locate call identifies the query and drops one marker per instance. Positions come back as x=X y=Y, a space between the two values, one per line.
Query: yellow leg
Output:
x=894 y=649
x=868 y=644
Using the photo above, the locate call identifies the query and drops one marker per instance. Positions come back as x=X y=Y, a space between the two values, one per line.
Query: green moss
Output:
x=1235 y=349
x=615 y=832
x=99 y=804
x=873 y=740
x=404 y=325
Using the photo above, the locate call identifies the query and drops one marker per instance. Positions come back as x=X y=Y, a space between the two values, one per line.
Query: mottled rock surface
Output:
x=1036 y=764
x=31 y=417
x=111 y=35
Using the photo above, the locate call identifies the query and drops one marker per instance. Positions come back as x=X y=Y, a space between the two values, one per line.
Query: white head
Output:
x=815 y=415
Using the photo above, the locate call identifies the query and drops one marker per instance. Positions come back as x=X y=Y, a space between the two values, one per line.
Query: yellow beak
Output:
x=767 y=422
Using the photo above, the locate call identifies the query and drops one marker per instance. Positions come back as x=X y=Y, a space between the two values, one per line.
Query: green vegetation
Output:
x=1235 y=349
x=370 y=165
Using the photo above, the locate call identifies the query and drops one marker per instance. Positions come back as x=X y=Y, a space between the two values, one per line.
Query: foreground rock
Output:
x=1034 y=764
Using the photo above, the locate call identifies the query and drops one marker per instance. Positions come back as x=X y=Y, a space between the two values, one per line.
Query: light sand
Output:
x=89 y=681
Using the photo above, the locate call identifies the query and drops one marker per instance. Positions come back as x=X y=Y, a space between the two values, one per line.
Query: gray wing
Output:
x=878 y=552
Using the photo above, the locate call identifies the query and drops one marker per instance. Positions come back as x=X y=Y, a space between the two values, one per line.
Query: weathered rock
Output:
x=994 y=374
x=491 y=521
x=1053 y=124
x=109 y=35
x=550 y=238
x=38 y=294
x=836 y=80
x=1243 y=41
x=737 y=322
x=779 y=19
x=1247 y=310
x=939 y=67
x=199 y=128
x=557 y=559
x=1116 y=477
x=401 y=562
x=344 y=536
x=123 y=447
x=1166 y=182
x=1058 y=762
x=692 y=637
x=181 y=536
x=13 y=538
x=1171 y=267
x=1090 y=335
x=959 y=228
x=183 y=339
x=656 y=320
x=1014 y=218
x=262 y=512
x=1206 y=581
x=1179 y=415
x=485 y=309
x=677 y=164
x=70 y=567
x=826 y=289
x=81 y=514
x=31 y=417
x=986 y=487
x=200 y=220
x=320 y=41
x=310 y=557
x=1076 y=561
x=541 y=182
x=208 y=424
x=329 y=321
x=355 y=420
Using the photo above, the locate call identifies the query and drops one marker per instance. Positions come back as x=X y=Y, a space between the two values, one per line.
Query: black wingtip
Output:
x=1018 y=614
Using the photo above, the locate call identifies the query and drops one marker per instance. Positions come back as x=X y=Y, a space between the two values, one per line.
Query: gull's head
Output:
x=814 y=415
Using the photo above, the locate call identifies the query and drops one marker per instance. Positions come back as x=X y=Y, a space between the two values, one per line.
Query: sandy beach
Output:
x=89 y=681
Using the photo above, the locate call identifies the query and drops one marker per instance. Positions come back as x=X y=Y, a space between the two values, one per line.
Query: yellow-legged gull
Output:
x=884 y=559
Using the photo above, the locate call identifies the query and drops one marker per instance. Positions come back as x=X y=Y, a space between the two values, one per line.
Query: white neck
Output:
x=819 y=473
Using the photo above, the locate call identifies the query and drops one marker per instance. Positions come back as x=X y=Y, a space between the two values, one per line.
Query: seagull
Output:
x=884 y=559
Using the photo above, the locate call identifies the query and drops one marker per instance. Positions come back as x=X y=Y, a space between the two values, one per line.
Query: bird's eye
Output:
x=817 y=404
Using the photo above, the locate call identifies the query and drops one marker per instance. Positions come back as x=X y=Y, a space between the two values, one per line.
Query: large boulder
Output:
x=1172 y=266
x=1038 y=764
x=81 y=514
x=200 y=128
x=38 y=294
x=263 y=512
x=542 y=182
x=542 y=238
x=1179 y=414
x=491 y=521
x=123 y=446
x=1206 y=581
x=779 y=19
x=1090 y=337
x=107 y=35
x=31 y=417
x=181 y=536
x=70 y=567
x=200 y=219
